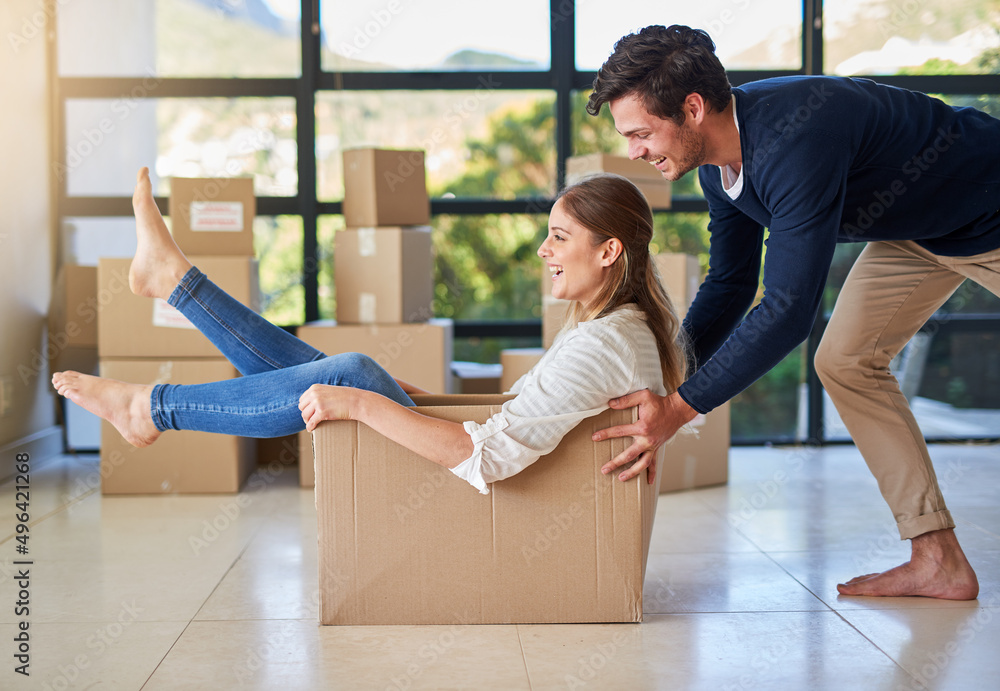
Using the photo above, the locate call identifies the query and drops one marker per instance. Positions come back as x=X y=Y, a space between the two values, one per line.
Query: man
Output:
x=816 y=160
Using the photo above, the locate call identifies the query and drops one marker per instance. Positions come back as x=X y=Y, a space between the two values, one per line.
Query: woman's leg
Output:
x=249 y=341
x=265 y=404
x=257 y=405
x=161 y=270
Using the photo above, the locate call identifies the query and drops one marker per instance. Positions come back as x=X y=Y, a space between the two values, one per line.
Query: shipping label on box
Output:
x=133 y=326
x=179 y=461
x=557 y=543
x=213 y=216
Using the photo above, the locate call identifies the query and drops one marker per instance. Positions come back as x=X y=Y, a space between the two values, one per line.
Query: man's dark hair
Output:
x=662 y=66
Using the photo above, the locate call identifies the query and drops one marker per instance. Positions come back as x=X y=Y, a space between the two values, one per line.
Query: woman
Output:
x=622 y=336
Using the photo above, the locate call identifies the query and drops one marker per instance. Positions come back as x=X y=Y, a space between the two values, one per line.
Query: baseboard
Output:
x=42 y=446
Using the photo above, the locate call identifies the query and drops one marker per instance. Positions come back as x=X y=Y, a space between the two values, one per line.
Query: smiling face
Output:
x=672 y=149
x=578 y=268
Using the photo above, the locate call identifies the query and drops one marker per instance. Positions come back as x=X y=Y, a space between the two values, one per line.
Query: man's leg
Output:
x=889 y=294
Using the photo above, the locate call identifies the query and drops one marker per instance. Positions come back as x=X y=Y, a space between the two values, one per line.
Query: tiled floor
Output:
x=189 y=592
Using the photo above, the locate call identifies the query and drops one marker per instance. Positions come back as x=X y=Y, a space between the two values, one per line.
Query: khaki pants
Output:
x=893 y=288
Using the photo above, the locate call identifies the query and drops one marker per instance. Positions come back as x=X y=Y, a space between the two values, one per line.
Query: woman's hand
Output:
x=323 y=402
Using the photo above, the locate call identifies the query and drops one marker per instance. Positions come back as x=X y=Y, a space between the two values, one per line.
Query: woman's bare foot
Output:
x=937 y=568
x=126 y=406
x=159 y=264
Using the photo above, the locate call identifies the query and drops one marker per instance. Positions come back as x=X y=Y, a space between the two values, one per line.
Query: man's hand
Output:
x=323 y=402
x=659 y=419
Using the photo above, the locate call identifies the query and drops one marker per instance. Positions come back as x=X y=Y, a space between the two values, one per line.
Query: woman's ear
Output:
x=612 y=250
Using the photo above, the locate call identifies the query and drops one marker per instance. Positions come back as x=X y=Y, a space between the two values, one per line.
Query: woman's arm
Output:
x=444 y=442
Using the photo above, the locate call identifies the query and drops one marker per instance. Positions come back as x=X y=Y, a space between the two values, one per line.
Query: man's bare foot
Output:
x=126 y=406
x=937 y=568
x=159 y=264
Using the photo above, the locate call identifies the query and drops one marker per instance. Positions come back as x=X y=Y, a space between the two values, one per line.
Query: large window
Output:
x=494 y=93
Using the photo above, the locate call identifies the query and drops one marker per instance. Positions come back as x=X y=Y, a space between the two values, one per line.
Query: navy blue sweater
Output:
x=827 y=160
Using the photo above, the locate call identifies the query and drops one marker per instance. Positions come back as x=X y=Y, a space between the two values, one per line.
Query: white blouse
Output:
x=586 y=367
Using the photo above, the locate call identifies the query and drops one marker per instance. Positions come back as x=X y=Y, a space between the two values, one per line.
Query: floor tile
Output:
x=678 y=583
x=684 y=524
x=786 y=650
x=280 y=588
x=119 y=655
x=293 y=655
x=942 y=650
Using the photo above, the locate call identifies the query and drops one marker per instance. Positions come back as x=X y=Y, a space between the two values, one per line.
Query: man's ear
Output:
x=612 y=250
x=695 y=108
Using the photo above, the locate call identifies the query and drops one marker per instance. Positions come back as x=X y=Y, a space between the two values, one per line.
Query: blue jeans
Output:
x=277 y=368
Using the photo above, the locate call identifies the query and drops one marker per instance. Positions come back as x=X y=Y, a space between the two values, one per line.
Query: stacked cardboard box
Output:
x=147 y=341
x=384 y=278
x=72 y=345
x=649 y=180
x=701 y=458
x=403 y=541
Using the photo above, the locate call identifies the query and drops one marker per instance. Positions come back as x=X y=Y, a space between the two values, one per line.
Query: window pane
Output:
x=327 y=226
x=108 y=141
x=954 y=393
x=482 y=143
x=770 y=408
x=911 y=37
x=277 y=244
x=438 y=35
x=766 y=34
x=486 y=267
x=179 y=38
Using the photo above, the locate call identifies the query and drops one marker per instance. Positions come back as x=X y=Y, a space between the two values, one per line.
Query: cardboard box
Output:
x=476 y=378
x=179 y=461
x=554 y=313
x=419 y=354
x=404 y=541
x=681 y=276
x=73 y=310
x=650 y=182
x=213 y=216
x=281 y=450
x=384 y=275
x=698 y=461
x=131 y=326
x=384 y=187
x=516 y=363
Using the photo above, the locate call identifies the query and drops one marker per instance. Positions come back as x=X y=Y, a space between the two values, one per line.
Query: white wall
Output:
x=25 y=219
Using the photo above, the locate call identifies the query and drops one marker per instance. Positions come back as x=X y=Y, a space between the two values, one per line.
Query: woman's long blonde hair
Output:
x=610 y=206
